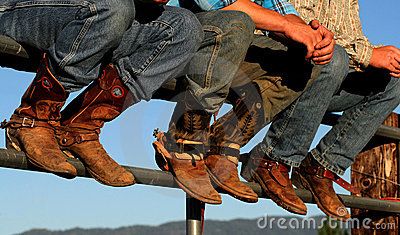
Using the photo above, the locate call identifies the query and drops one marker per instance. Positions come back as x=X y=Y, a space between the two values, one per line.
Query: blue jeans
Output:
x=80 y=35
x=227 y=37
x=76 y=34
x=366 y=99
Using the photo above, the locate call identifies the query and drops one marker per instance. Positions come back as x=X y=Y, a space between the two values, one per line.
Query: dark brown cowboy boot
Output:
x=319 y=181
x=273 y=178
x=31 y=127
x=104 y=100
x=228 y=134
x=181 y=151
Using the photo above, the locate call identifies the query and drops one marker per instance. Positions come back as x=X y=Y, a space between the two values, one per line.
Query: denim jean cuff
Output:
x=270 y=155
x=321 y=160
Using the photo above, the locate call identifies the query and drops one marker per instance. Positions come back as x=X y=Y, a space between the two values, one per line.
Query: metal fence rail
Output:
x=17 y=160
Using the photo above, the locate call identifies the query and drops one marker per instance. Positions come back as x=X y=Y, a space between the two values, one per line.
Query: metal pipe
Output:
x=194 y=216
x=17 y=160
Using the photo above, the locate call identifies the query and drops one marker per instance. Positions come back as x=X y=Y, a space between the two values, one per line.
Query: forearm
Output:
x=263 y=18
x=294 y=19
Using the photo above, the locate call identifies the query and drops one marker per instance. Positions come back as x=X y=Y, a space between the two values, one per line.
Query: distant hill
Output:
x=232 y=227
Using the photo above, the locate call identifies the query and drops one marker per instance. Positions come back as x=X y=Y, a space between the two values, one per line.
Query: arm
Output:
x=364 y=54
x=272 y=21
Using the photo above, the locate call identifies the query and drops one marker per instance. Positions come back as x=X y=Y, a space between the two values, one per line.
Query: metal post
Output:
x=194 y=216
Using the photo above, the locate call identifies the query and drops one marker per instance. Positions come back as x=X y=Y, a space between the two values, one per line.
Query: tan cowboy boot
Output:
x=274 y=180
x=228 y=134
x=104 y=100
x=181 y=151
x=319 y=181
x=31 y=127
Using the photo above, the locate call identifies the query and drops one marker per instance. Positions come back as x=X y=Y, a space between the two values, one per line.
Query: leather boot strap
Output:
x=176 y=146
x=67 y=136
x=224 y=151
x=17 y=121
x=322 y=172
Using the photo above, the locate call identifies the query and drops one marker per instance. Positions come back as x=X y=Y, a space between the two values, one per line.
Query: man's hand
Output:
x=387 y=57
x=303 y=34
x=324 y=49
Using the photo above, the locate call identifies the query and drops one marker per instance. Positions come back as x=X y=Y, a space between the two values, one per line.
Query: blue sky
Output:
x=36 y=200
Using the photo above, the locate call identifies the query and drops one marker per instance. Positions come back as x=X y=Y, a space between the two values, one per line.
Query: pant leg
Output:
x=228 y=35
x=76 y=34
x=281 y=74
x=366 y=99
x=291 y=133
x=156 y=48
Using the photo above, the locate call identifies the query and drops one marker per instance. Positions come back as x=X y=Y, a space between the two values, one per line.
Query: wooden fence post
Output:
x=376 y=172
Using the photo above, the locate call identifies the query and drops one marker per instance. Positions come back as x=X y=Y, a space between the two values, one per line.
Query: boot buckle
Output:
x=25 y=124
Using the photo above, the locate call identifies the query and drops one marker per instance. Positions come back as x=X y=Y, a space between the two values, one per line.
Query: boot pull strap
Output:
x=341 y=182
x=322 y=172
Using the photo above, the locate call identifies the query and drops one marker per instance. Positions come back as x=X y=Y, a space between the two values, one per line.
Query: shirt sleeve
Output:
x=360 y=50
x=283 y=7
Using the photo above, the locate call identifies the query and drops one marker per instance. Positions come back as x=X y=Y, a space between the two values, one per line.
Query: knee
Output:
x=340 y=63
x=238 y=26
x=187 y=29
x=117 y=16
x=337 y=69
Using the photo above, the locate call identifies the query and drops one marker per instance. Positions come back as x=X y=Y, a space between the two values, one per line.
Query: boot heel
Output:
x=298 y=181
x=12 y=142
x=246 y=174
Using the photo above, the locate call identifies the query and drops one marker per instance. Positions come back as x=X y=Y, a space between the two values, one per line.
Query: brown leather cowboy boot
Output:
x=319 y=181
x=31 y=127
x=104 y=100
x=228 y=134
x=181 y=150
x=273 y=178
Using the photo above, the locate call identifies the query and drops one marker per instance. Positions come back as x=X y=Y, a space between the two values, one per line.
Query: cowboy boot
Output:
x=31 y=127
x=103 y=101
x=319 y=181
x=228 y=134
x=182 y=149
x=274 y=180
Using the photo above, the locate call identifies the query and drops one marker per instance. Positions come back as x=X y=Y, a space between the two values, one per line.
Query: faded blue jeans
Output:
x=80 y=35
x=366 y=99
x=227 y=37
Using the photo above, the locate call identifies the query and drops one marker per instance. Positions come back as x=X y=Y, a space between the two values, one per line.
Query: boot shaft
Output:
x=44 y=97
x=189 y=121
x=104 y=100
x=241 y=123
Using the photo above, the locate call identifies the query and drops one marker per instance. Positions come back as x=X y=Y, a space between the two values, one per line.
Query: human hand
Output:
x=388 y=58
x=324 y=49
x=305 y=35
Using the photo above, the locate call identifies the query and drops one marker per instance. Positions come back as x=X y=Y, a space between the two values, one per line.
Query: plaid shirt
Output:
x=343 y=19
x=281 y=6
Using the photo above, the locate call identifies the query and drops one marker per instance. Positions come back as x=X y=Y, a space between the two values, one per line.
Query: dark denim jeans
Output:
x=366 y=99
x=149 y=44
